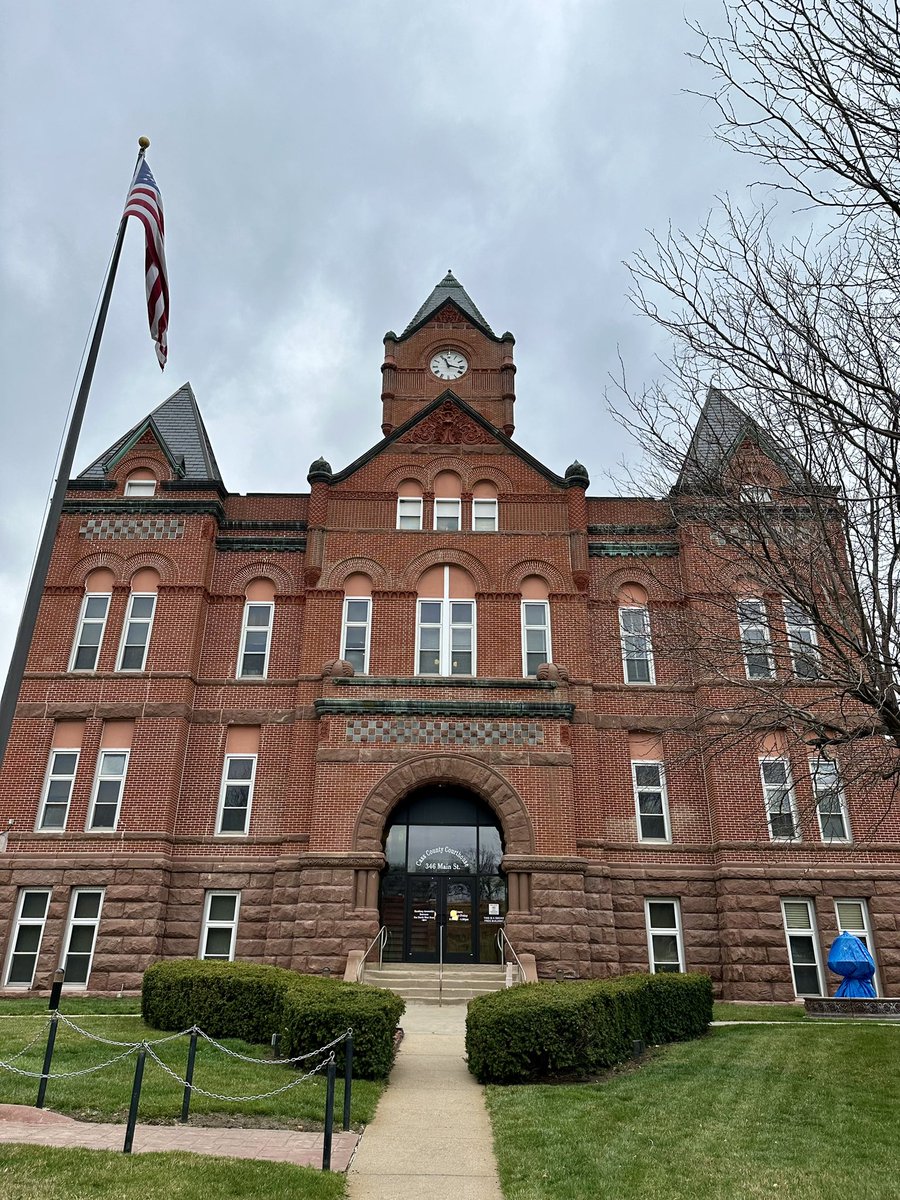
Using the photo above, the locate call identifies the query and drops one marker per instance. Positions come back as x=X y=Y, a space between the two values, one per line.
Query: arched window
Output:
x=634 y=630
x=535 y=623
x=445 y=628
x=447 y=500
x=138 y=621
x=92 y=620
x=485 y=517
x=409 y=505
x=356 y=623
x=140 y=483
x=256 y=630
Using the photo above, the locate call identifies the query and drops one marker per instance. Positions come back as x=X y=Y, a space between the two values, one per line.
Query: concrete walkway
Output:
x=40 y=1127
x=431 y=1137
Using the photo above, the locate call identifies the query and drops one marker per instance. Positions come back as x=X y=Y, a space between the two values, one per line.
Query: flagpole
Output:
x=45 y=548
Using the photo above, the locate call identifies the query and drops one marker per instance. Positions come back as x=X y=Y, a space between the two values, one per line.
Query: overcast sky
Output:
x=322 y=165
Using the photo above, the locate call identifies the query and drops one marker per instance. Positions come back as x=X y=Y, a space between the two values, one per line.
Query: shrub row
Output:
x=242 y=1000
x=544 y=1029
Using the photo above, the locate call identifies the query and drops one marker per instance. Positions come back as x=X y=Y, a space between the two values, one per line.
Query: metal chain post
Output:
x=189 y=1077
x=329 y=1115
x=348 y=1078
x=48 y=1059
x=135 y=1099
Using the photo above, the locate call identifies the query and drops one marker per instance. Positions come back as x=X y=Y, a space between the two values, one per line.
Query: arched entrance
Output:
x=442 y=894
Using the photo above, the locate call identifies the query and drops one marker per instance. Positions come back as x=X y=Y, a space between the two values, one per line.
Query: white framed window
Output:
x=445 y=637
x=136 y=632
x=220 y=921
x=28 y=933
x=109 y=783
x=256 y=637
x=803 y=641
x=447 y=514
x=535 y=635
x=853 y=917
x=664 y=943
x=61 y=768
x=81 y=935
x=756 y=641
x=484 y=515
x=651 y=801
x=831 y=803
x=236 y=796
x=755 y=493
x=356 y=632
x=89 y=634
x=409 y=512
x=140 y=487
x=803 y=946
x=780 y=800
x=637 y=647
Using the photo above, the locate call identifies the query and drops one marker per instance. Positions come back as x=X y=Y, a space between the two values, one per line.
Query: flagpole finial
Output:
x=144 y=142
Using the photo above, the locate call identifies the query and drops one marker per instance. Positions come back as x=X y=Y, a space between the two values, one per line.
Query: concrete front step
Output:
x=420 y=982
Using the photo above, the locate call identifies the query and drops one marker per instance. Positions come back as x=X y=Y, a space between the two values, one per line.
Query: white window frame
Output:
x=755 y=493
x=251 y=786
x=863 y=932
x=348 y=624
x=545 y=626
x=812 y=932
x=208 y=924
x=26 y=923
x=769 y=789
x=247 y=628
x=749 y=649
x=822 y=794
x=454 y=500
x=83 y=622
x=445 y=648
x=49 y=777
x=801 y=651
x=646 y=633
x=90 y=827
x=409 y=501
x=140 y=487
x=638 y=789
x=493 y=511
x=129 y=620
x=667 y=931
x=94 y=922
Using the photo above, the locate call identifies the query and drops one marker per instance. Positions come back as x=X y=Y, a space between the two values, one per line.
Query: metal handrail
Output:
x=440 y=965
x=503 y=943
x=380 y=940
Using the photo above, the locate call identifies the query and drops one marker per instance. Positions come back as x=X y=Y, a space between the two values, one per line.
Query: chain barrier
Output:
x=237 y=1099
x=95 y=1037
x=37 y=1037
x=68 y=1074
x=342 y=1037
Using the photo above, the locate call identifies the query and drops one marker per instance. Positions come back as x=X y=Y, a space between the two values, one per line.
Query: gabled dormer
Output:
x=170 y=445
x=448 y=343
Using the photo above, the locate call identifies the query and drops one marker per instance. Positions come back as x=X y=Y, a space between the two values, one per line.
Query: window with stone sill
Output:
x=28 y=933
x=140 y=487
x=853 y=917
x=81 y=935
x=831 y=803
x=803 y=641
x=109 y=783
x=651 y=801
x=756 y=642
x=803 y=946
x=89 y=631
x=637 y=646
x=535 y=635
x=256 y=638
x=409 y=512
x=664 y=941
x=236 y=795
x=137 y=630
x=218 y=933
x=60 y=778
x=447 y=514
x=355 y=632
x=484 y=515
x=780 y=799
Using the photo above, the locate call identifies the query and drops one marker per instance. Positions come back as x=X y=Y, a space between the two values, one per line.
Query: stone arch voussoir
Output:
x=164 y=567
x=635 y=573
x=490 y=785
x=335 y=576
x=457 y=558
x=99 y=558
x=283 y=580
x=512 y=580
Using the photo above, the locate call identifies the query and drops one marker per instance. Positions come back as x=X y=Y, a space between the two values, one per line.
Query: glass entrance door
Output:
x=441 y=919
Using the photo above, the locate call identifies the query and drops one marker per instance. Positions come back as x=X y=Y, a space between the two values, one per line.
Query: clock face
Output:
x=449 y=364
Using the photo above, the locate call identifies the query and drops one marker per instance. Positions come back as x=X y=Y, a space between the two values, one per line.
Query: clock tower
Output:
x=448 y=345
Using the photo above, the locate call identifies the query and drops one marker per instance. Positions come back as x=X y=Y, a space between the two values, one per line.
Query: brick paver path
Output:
x=33 y=1126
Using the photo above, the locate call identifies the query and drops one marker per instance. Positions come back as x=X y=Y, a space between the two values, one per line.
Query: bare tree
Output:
x=791 y=479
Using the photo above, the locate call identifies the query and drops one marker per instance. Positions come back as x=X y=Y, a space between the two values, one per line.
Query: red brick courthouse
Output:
x=424 y=694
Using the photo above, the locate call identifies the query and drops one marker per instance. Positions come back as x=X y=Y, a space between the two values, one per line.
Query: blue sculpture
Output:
x=849 y=957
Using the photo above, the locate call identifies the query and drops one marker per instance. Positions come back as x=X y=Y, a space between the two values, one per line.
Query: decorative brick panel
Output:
x=151 y=529
x=445 y=733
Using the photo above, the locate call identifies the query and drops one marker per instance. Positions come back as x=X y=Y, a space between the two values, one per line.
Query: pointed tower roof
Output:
x=179 y=429
x=721 y=430
x=449 y=290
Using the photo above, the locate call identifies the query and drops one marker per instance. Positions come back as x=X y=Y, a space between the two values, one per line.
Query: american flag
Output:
x=145 y=203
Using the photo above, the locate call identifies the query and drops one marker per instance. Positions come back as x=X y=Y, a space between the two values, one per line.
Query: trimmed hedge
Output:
x=243 y=1000
x=543 y=1029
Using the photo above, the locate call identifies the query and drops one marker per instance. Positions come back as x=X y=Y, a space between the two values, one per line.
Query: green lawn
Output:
x=727 y=1011
x=745 y=1113
x=39 y=1173
x=104 y=1095
x=73 y=1005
